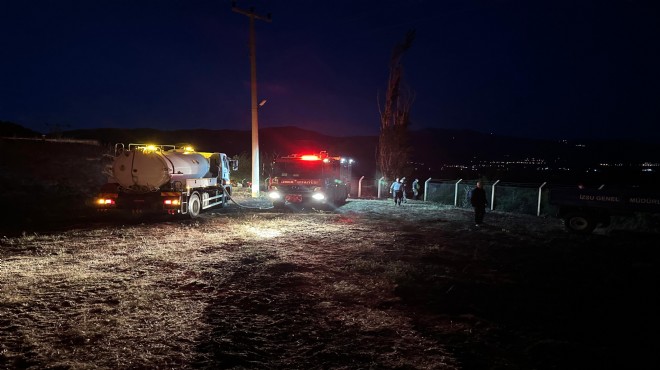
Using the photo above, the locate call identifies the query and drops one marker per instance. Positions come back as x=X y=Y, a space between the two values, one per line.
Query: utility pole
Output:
x=253 y=86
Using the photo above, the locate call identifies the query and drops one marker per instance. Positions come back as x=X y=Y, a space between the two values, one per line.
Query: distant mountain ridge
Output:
x=431 y=148
x=10 y=129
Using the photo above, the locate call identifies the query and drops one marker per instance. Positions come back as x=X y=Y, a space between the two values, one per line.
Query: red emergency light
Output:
x=310 y=157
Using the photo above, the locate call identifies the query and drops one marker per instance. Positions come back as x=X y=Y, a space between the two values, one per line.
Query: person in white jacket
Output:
x=396 y=189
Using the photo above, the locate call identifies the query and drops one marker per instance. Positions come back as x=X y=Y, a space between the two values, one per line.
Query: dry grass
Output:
x=369 y=285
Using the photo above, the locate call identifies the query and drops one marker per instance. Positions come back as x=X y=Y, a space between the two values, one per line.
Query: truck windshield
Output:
x=301 y=169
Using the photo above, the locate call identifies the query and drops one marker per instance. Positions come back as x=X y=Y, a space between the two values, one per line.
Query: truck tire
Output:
x=194 y=205
x=580 y=223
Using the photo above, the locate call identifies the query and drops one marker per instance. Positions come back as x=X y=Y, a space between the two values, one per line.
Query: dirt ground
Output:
x=366 y=286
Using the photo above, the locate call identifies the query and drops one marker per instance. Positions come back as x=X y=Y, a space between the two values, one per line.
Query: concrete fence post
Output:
x=492 y=196
x=360 y=187
x=456 y=193
x=426 y=187
x=380 y=181
x=538 y=208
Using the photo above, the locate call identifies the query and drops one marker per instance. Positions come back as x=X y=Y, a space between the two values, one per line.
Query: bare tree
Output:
x=393 y=149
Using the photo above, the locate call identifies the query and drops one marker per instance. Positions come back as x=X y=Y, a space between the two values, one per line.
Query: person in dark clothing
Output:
x=404 y=194
x=415 y=189
x=479 y=202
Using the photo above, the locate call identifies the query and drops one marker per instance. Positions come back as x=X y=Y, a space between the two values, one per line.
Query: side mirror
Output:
x=234 y=164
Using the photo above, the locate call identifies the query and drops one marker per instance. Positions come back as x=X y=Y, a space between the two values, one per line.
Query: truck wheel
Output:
x=194 y=205
x=580 y=223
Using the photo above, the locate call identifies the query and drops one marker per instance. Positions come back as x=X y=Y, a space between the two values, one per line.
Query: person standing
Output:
x=395 y=190
x=392 y=186
x=403 y=190
x=479 y=202
x=415 y=189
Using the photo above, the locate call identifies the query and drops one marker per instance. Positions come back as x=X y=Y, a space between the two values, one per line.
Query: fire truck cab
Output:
x=309 y=179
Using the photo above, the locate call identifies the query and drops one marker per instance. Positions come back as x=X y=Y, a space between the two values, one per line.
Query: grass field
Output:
x=365 y=286
x=369 y=285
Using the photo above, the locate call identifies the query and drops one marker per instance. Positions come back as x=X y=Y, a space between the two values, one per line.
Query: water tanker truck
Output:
x=166 y=178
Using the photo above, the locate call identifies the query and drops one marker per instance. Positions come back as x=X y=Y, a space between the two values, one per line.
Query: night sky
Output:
x=530 y=68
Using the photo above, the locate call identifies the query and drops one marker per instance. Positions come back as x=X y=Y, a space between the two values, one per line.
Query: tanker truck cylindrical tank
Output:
x=186 y=165
x=148 y=170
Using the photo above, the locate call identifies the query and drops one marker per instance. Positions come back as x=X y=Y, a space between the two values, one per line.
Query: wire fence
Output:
x=524 y=198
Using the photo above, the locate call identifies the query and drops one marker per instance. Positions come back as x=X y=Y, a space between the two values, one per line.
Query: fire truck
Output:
x=309 y=179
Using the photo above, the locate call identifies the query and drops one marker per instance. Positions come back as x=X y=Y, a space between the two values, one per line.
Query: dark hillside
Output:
x=48 y=181
x=435 y=153
x=9 y=129
x=461 y=146
x=272 y=141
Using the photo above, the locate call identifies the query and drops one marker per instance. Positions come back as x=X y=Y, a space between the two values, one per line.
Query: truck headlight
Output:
x=274 y=195
x=318 y=196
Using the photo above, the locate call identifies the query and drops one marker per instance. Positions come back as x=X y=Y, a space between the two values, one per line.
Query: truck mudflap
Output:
x=145 y=202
